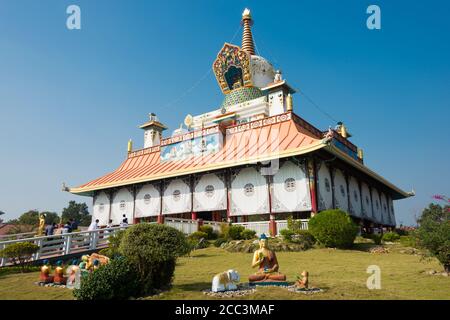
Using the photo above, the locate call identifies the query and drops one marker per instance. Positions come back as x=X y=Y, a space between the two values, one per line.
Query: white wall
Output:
x=249 y=193
x=101 y=208
x=177 y=197
x=340 y=191
x=324 y=187
x=123 y=203
x=210 y=193
x=148 y=201
x=355 y=198
x=290 y=189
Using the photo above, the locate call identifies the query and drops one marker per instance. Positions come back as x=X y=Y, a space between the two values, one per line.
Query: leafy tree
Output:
x=1 y=213
x=20 y=253
x=77 y=211
x=433 y=233
x=31 y=218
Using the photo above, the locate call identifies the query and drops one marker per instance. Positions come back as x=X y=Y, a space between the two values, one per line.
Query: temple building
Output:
x=250 y=159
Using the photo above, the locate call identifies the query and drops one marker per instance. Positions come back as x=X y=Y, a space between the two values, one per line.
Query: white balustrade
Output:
x=259 y=226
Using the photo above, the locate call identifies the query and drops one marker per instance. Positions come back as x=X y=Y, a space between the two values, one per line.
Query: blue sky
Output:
x=71 y=99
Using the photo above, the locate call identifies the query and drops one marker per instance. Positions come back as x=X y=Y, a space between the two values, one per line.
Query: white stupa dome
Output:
x=262 y=71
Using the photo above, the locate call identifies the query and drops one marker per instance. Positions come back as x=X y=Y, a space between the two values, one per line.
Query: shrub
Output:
x=333 y=228
x=433 y=233
x=376 y=238
x=224 y=229
x=287 y=234
x=234 y=232
x=219 y=242
x=408 y=241
x=195 y=244
x=391 y=237
x=20 y=253
x=247 y=234
x=117 y=280
x=197 y=235
x=211 y=234
x=153 y=250
x=113 y=245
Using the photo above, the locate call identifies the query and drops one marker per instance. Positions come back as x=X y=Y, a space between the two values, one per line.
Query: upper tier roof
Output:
x=270 y=138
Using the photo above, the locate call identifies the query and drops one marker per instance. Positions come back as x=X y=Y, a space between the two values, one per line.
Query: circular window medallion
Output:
x=209 y=190
x=147 y=198
x=355 y=195
x=327 y=185
x=342 y=190
x=176 y=195
x=101 y=207
x=249 y=189
x=122 y=205
x=289 y=184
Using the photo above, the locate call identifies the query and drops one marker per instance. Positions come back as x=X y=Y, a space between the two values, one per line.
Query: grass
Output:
x=342 y=273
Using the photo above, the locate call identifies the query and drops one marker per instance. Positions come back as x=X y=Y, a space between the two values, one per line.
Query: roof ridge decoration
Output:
x=232 y=68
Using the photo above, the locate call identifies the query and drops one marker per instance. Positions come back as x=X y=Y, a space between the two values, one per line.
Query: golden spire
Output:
x=247 y=37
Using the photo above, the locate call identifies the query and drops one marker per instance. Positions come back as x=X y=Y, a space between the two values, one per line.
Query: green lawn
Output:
x=342 y=273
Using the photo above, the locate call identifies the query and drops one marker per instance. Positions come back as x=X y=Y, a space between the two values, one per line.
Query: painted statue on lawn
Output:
x=267 y=263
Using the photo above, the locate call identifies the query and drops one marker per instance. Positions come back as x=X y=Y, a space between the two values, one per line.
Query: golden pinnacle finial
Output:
x=130 y=145
x=247 y=37
x=246 y=14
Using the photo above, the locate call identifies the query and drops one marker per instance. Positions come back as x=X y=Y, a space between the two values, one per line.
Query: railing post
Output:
x=2 y=260
x=38 y=253
x=68 y=243
x=94 y=238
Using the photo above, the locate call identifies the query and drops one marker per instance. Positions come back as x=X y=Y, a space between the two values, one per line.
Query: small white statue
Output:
x=278 y=77
x=225 y=281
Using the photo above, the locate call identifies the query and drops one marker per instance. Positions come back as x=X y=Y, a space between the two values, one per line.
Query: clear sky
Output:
x=71 y=99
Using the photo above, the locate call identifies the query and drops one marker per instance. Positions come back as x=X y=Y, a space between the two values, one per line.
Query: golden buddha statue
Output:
x=267 y=263
x=41 y=225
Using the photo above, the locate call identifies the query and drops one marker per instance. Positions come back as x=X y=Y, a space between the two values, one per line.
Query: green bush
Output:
x=195 y=244
x=234 y=232
x=117 y=280
x=287 y=234
x=376 y=238
x=333 y=228
x=212 y=235
x=20 y=253
x=247 y=234
x=408 y=241
x=433 y=233
x=197 y=235
x=153 y=250
x=219 y=242
x=224 y=229
x=391 y=237
x=113 y=245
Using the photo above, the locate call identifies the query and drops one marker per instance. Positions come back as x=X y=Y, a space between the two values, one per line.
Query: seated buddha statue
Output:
x=45 y=276
x=267 y=263
x=59 y=278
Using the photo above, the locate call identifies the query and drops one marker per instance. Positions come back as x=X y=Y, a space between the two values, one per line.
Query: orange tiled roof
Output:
x=269 y=138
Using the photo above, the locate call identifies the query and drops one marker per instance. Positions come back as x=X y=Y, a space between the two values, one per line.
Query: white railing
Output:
x=17 y=236
x=64 y=244
x=259 y=226
x=214 y=224
x=282 y=224
x=186 y=226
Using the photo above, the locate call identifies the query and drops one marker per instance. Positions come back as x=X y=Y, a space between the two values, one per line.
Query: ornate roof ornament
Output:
x=247 y=37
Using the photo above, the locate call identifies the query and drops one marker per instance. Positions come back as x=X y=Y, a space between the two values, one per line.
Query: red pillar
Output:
x=160 y=219
x=272 y=226
x=194 y=215
x=136 y=220
x=312 y=186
